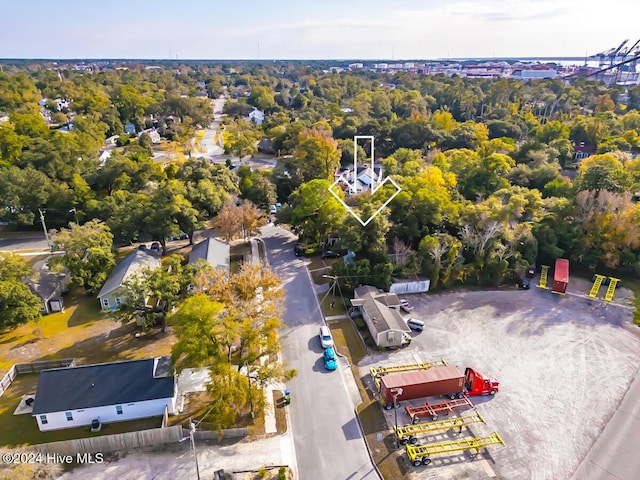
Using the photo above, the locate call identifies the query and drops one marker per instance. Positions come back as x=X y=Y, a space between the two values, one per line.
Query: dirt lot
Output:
x=563 y=362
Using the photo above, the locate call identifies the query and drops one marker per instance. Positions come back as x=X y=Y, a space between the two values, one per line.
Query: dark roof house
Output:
x=49 y=286
x=89 y=386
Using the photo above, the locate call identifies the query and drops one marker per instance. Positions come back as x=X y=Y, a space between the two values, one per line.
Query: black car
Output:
x=298 y=250
x=330 y=254
x=525 y=284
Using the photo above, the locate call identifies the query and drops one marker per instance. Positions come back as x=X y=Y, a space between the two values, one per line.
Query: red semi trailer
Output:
x=449 y=381
x=560 y=276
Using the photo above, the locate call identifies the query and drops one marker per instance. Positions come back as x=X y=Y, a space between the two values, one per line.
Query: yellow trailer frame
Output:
x=593 y=293
x=613 y=283
x=419 y=454
x=543 y=277
x=408 y=433
x=380 y=371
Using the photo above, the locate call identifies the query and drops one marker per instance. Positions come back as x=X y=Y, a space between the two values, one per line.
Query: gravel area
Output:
x=563 y=362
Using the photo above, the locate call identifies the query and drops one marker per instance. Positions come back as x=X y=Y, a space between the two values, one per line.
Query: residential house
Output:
x=366 y=178
x=112 y=294
x=214 y=252
x=380 y=312
x=130 y=129
x=103 y=156
x=49 y=286
x=153 y=135
x=266 y=146
x=108 y=392
x=256 y=116
x=583 y=151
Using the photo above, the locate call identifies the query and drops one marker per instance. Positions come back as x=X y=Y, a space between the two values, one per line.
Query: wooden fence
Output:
x=32 y=367
x=8 y=379
x=113 y=443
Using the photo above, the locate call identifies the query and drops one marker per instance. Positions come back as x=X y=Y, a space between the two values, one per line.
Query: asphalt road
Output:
x=328 y=442
x=24 y=242
x=614 y=455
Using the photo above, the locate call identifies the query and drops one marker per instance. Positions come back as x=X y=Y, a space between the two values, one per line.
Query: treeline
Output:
x=486 y=167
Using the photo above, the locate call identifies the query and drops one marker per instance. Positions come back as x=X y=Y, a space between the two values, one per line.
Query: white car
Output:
x=405 y=306
x=326 y=340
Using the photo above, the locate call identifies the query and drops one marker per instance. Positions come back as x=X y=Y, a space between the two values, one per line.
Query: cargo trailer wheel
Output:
x=492 y=392
x=404 y=441
x=388 y=407
x=434 y=417
x=417 y=463
x=415 y=420
x=460 y=395
x=452 y=396
x=413 y=440
x=426 y=461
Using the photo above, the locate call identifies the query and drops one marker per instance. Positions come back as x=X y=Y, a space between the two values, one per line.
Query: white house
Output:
x=380 y=314
x=365 y=179
x=107 y=392
x=256 y=116
x=153 y=135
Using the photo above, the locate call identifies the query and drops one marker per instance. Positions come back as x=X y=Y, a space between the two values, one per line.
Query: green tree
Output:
x=316 y=156
x=17 y=303
x=315 y=212
x=261 y=98
x=87 y=253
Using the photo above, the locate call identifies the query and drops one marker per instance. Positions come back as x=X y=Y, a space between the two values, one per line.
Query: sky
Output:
x=322 y=29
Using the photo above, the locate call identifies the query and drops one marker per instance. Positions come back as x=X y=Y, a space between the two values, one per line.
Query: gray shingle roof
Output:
x=215 y=252
x=45 y=284
x=375 y=302
x=65 y=389
x=129 y=265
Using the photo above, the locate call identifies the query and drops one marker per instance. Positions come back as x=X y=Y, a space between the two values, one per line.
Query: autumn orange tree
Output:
x=232 y=327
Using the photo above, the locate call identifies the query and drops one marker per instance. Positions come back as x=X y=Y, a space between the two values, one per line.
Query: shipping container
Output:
x=560 y=276
x=421 y=383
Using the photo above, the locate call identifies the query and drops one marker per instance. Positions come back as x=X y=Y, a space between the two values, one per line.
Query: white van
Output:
x=415 y=324
x=326 y=340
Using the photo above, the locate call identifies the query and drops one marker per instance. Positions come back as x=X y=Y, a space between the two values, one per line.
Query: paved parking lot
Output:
x=563 y=362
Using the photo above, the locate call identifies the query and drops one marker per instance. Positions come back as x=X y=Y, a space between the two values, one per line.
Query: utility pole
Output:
x=192 y=431
x=44 y=227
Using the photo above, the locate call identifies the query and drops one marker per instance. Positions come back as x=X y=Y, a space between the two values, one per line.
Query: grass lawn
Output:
x=83 y=332
x=23 y=429
x=338 y=307
x=387 y=458
x=347 y=340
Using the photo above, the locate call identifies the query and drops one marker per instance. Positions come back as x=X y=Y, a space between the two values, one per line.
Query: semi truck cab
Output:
x=477 y=384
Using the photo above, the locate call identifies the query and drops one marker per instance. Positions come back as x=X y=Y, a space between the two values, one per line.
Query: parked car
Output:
x=326 y=340
x=330 y=361
x=531 y=272
x=273 y=210
x=525 y=284
x=298 y=250
x=155 y=247
x=330 y=254
x=405 y=305
x=184 y=236
x=415 y=324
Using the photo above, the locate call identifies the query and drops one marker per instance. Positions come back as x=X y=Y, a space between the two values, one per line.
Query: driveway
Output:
x=564 y=363
x=328 y=442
